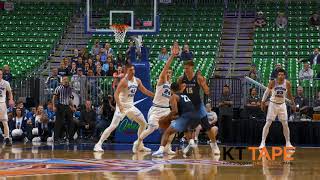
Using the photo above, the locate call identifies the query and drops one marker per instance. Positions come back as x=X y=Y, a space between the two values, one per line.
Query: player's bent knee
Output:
x=152 y=127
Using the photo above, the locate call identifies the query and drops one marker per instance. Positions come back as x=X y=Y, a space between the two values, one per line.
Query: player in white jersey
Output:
x=4 y=88
x=124 y=96
x=279 y=88
x=160 y=107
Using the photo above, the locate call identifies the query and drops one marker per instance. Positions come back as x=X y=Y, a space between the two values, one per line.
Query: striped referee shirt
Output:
x=64 y=93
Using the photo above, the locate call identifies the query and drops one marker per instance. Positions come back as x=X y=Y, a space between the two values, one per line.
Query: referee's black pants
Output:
x=64 y=122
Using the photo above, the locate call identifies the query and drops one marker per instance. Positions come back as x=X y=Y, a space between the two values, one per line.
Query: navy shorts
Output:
x=185 y=121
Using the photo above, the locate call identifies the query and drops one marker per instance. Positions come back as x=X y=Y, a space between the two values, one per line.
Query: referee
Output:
x=64 y=111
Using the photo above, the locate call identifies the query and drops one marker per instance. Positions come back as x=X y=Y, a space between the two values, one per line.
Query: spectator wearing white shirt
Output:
x=306 y=72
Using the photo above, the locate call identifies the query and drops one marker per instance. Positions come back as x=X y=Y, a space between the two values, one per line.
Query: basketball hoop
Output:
x=120 y=31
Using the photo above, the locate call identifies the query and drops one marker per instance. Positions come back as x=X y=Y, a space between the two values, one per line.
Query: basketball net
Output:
x=120 y=31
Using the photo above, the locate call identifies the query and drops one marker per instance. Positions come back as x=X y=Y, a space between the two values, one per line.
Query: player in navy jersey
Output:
x=193 y=83
x=183 y=111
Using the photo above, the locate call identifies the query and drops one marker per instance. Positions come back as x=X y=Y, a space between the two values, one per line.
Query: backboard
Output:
x=140 y=15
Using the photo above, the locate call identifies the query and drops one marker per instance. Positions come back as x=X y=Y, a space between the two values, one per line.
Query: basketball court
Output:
x=71 y=161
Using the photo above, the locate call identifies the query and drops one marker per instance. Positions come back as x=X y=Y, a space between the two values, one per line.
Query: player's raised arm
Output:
x=174 y=53
x=121 y=85
x=291 y=98
x=203 y=83
x=266 y=94
x=143 y=89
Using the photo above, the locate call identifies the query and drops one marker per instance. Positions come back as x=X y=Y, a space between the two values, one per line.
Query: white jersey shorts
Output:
x=154 y=115
x=275 y=110
x=3 y=112
x=131 y=112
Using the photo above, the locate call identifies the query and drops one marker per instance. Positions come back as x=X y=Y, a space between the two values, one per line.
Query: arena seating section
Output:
x=285 y=46
x=29 y=33
x=200 y=27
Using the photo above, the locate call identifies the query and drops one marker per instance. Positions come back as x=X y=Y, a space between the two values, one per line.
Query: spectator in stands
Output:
x=117 y=76
x=163 y=55
x=120 y=60
x=98 y=60
x=306 y=72
x=86 y=68
x=31 y=114
x=95 y=48
x=63 y=70
x=67 y=62
x=106 y=110
x=75 y=55
x=84 y=54
x=316 y=102
x=253 y=73
x=41 y=131
x=73 y=69
x=6 y=73
x=18 y=125
x=186 y=54
x=315 y=20
x=260 y=21
x=132 y=51
x=91 y=64
x=50 y=112
x=80 y=63
x=99 y=71
x=253 y=100
x=53 y=81
x=301 y=102
x=87 y=121
x=76 y=80
x=314 y=57
x=107 y=50
x=274 y=73
x=226 y=115
x=20 y=105
x=253 y=104
x=111 y=69
x=281 y=20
